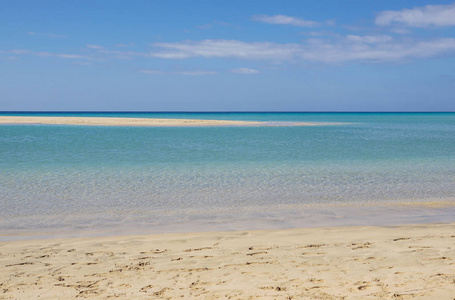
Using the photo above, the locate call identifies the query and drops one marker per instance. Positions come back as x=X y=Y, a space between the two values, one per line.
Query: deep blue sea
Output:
x=371 y=168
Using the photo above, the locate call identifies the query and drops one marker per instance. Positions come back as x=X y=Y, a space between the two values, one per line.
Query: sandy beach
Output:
x=406 y=262
x=106 y=121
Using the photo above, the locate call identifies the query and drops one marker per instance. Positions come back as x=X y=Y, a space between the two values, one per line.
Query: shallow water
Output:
x=74 y=179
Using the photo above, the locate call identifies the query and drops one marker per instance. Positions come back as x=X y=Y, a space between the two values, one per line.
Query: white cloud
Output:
x=188 y=72
x=46 y=54
x=226 y=49
x=245 y=71
x=151 y=71
x=83 y=63
x=62 y=55
x=9 y=58
x=400 y=30
x=126 y=55
x=349 y=48
x=346 y=50
x=205 y=26
x=285 y=20
x=195 y=73
x=71 y=56
x=331 y=49
x=320 y=33
x=125 y=45
x=97 y=47
x=53 y=35
x=369 y=39
x=426 y=16
x=18 y=51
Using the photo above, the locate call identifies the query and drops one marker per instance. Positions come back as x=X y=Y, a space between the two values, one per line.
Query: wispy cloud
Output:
x=205 y=26
x=369 y=39
x=116 y=54
x=358 y=28
x=151 y=71
x=96 y=47
x=195 y=73
x=9 y=58
x=125 y=45
x=186 y=72
x=320 y=33
x=225 y=49
x=46 y=54
x=16 y=51
x=83 y=63
x=245 y=71
x=199 y=72
x=330 y=49
x=285 y=20
x=52 y=35
x=214 y=24
x=349 y=48
x=346 y=50
x=426 y=16
x=62 y=55
x=400 y=30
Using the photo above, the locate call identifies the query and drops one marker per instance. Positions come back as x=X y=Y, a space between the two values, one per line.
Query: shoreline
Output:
x=251 y=218
x=148 y=122
x=404 y=262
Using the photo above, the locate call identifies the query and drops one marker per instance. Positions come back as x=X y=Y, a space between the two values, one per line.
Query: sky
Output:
x=171 y=55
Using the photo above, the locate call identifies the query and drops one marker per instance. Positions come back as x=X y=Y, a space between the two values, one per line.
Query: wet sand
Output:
x=101 y=121
x=361 y=262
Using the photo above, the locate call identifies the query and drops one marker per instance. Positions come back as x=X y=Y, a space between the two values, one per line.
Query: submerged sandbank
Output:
x=106 y=121
x=323 y=263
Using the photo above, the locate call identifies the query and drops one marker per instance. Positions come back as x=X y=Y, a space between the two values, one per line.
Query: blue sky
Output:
x=227 y=55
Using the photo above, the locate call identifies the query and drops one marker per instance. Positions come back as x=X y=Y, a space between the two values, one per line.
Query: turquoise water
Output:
x=78 y=179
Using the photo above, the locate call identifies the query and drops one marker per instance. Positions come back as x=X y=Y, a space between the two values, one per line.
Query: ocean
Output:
x=368 y=169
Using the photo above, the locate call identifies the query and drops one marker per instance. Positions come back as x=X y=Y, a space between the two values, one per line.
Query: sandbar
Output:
x=153 y=122
x=359 y=262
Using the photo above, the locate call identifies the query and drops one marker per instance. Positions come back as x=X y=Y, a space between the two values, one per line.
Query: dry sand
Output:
x=101 y=121
x=406 y=262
